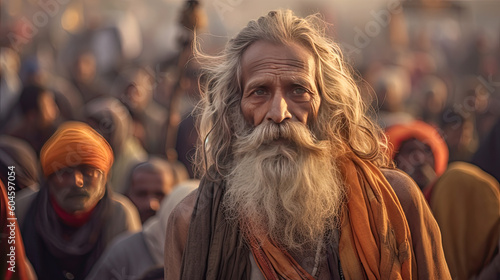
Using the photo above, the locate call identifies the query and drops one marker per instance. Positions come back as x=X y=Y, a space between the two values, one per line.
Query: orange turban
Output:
x=424 y=133
x=75 y=143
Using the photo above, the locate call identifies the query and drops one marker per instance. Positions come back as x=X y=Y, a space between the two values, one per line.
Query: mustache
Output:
x=291 y=133
x=77 y=192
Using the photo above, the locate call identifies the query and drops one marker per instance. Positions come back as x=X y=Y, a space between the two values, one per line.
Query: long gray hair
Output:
x=342 y=114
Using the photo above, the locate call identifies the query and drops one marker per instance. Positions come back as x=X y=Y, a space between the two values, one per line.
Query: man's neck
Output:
x=74 y=220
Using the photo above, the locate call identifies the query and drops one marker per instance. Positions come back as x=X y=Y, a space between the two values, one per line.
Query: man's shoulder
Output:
x=185 y=207
x=425 y=234
x=397 y=177
x=403 y=185
x=124 y=210
x=127 y=256
x=180 y=218
x=177 y=232
x=125 y=244
x=121 y=202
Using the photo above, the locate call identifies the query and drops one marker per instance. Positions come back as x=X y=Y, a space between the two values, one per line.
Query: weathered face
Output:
x=77 y=189
x=148 y=188
x=278 y=84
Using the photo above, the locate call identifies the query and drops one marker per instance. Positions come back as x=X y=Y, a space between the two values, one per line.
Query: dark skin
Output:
x=278 y=84
x=416 y=159
x=77 y=189
x=147 y=189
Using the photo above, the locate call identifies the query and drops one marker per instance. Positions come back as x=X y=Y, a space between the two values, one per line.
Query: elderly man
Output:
x=67 y=225
x=293 y=182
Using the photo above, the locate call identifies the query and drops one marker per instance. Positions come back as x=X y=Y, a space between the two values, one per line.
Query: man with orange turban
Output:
x=419 y=150
x=67 y=225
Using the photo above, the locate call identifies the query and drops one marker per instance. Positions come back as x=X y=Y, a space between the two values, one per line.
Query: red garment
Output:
x=73 y=220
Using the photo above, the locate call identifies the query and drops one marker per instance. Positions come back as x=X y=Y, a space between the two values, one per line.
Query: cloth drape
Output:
x=375 y=240
x=466 y=204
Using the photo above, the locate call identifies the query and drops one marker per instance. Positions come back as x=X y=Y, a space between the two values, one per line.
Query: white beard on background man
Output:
x=283 y=185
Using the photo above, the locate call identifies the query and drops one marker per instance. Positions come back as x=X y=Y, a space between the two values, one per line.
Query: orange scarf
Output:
x=375 y=241
x=276 y=263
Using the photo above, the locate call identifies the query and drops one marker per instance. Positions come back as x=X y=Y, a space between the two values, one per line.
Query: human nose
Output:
x=154 y=204
x=278 y=112
x=78 y=179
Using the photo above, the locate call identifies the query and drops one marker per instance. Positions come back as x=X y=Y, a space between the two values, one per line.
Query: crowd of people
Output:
x=275 y=159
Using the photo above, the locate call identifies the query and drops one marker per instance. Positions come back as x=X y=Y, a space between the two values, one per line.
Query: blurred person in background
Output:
x=16 y=152
x=487 y=156
x=68 y=224
x=430 y=99
x=179 y=92
x=426 y=58
x=109 y=117
x=148 y=116
x=39 y=116
x=84 y=76
x=10 y=83
x=31 y=71
x=459 y=133
x=68 y=99
x=466 y=203
x=34 y=71
x=132 y=256
x=418 y=150
x=484 y=104
x=187 y=137
x=149 y=184
x=392 y=87
x=478 y=55
x=185 y=144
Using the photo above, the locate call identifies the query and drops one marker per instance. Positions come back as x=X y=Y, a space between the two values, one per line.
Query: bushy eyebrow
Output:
x=256 y=82
x=295 y=79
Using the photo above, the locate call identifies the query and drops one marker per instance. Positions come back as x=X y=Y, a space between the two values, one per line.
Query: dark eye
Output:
x=67 y=171
x=89 y=172
x=299 y=91
x=259 y=92
x=159 y=195
x=64 y=173
x=301 y=94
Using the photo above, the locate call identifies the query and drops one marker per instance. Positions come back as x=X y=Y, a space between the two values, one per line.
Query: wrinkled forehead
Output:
x=289 y=57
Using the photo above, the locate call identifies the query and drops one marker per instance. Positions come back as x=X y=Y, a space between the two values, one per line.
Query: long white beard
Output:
x=284 y=185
